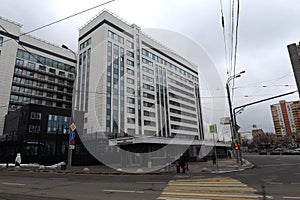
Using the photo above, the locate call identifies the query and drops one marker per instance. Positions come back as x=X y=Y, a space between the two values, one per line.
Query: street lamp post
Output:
x=232 y=116
x=72 y=111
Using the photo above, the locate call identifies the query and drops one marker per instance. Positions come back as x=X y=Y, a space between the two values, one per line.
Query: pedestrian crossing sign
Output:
x=212 y=128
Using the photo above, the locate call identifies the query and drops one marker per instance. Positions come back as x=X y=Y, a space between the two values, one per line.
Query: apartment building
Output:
x=33 y=71
x=286 y=118
x=130 y=85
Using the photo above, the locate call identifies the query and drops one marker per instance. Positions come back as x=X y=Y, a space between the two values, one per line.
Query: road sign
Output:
x=225 y=120
x=212 y=128
x=72 y=141
x=72 y=134
x=71 y=146
x=73 y=127
x=237 y=127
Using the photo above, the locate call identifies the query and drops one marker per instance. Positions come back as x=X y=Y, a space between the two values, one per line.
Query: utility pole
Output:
x=232 y=116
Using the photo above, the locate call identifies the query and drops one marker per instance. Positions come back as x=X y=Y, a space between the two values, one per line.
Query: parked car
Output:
x=277 y=151
x=296 y=151
x=263 y=152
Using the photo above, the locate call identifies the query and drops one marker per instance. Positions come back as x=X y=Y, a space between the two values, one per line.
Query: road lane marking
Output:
x=13 y=184
x=224 y=188
x=227 y=196
x=275 y=183
x=124 y=191
x=143 y=182
x=291 y=197
x=296 y=183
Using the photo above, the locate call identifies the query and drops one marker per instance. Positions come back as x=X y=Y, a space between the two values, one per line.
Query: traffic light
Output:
x=236 y=146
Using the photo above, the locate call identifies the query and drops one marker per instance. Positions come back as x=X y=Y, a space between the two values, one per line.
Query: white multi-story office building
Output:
x=129 y=83
x=32 y=71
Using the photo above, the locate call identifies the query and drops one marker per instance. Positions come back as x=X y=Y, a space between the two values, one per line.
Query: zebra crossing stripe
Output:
x=219 y=188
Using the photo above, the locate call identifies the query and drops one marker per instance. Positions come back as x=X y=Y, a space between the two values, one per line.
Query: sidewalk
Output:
x=224 y=166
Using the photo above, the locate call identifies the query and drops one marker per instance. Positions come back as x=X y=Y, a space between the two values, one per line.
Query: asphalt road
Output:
x=279 y=174
x=46 y=186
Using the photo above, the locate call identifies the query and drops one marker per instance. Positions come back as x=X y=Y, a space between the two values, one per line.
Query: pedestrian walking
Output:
x=229 y=153
x=18 y=160
x=214 y=158
x=182 y=163
x=177 y=165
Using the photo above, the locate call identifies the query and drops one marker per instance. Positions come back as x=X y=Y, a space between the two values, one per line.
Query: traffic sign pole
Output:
x=71 y=146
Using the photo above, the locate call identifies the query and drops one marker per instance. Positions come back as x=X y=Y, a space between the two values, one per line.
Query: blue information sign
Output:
x=72 y=134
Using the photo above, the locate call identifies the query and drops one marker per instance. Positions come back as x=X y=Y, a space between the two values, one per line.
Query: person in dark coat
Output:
x=177 y=165
x=214 y=158
x=182 y=163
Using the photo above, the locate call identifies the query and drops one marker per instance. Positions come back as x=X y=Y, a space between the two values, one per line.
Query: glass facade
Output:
x=58 y=124
x=115 y=89
x=45 y=61
x=108 y=88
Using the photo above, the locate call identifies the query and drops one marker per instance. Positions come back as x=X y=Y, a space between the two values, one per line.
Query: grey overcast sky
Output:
x=265 y=29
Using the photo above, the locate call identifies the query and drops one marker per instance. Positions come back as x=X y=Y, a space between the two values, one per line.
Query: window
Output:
x=19 y=62
x=130 y=54
x=52 y=79
x=131 y=120
x=148 y=87
x=17 y=79
x=129 y=44
x=147 y=95
x=130 y=100
x=39 y=93
x=18 y=70
x=27 y=90
x=34 y=128
x=43 y=68
x=60 y=88
x=29 y=82
x=69 y=90
x=51 y=87
x=61 y=73
x=39 y=84
x=149 y=123
x=29 y=73
x=69 y=98
x=35 y=115
x=26 y=99
x=147 y=62
x=71 y=76
x=149 y=114
x=52 y=71
x=130 y=110
x=147 y=78
x=38 y=101
x=59 y=96
x=61 y=81
x=115 y=37
x=148 y=104
x=31 y=65
x=130 y=90
x=15 y=88
x=130 y=81
x=130 y=71
x=41 y=76
x=1 y=41
x=146 y=69
x=49 y=103
x=129 y=62
x=49 y=94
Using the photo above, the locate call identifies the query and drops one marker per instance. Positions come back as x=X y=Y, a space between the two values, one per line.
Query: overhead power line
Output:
x=224 y=35
x=60 y=20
